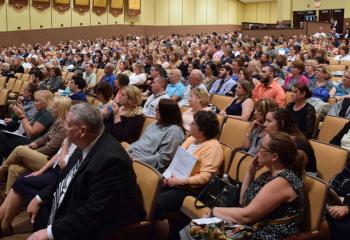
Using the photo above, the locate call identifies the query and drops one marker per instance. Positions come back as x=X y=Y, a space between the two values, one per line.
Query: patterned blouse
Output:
x=288 y=209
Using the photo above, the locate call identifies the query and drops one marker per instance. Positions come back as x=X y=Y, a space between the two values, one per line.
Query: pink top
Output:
x=290 y=81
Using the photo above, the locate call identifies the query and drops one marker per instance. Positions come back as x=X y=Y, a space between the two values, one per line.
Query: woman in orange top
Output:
x=204 y=146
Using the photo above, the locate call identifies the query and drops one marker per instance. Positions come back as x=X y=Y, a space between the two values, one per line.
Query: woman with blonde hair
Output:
x=199 y=101
x=322 y=87
x=33 y=156
x=126 y=117
x=29 y=130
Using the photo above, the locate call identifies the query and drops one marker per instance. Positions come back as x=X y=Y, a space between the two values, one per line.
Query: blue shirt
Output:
x=226 y=87
x=79 y=96
x=341 y=90
x=177 y=89
x=110 y=79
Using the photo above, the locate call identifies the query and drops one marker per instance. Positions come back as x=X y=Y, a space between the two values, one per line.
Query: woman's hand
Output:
x=255 y=165
x=35 y=174
x=223 y=113
x=115 y=108
x=7 y=120
x=33 y=146
x=18 y=110
x=338 y=212
x=173 y=181
x=255 y=124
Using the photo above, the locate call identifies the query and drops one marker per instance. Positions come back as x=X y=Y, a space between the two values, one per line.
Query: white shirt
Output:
x=138 y=79
x=149 y=109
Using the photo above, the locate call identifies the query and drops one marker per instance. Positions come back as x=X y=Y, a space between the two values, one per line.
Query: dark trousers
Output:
x=42 y=219
x=8 y=142
x=339 y=228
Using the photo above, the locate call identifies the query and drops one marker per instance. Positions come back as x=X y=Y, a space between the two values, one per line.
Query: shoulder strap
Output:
x=239 y=164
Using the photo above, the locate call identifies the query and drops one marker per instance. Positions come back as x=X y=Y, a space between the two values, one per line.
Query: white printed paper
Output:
x=182 y=164
x=204 y=221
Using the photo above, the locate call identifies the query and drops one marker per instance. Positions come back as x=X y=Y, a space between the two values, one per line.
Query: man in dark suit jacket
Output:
x=101 y=194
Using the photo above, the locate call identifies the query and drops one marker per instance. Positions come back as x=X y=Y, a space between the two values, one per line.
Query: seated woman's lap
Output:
x=170 y=200
x=29 y=186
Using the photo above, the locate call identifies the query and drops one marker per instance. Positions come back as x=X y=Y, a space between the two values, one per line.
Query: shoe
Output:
x=6 y=232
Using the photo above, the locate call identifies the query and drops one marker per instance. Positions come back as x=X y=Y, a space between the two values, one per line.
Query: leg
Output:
x=13 y=207
x=170 y=200
x=32 y=159
x=14 y=171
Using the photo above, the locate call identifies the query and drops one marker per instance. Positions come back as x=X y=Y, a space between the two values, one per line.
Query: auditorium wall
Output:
x=262 y=12
x=153 y=13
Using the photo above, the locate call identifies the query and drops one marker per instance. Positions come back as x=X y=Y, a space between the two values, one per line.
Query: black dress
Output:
x=288 y=209
x=305 y=118
x=235 y=108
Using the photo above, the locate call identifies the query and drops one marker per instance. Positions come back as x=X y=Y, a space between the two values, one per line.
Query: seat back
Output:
x=2 y=82
x=25 y=77
x=149 y=180
x=220 y=101
x=184 y=109
x=330 y=127
x=17 y=86
x=234 y=132
x=240 y=164
x=317 y=123
x=69 y=76
x=18 y=75
x=148 y=121
x=10 y=83
x=3 y=96
x=228 y=152
x=221 y=120
x=315 y=192
x=24 y=85
x=330 y=159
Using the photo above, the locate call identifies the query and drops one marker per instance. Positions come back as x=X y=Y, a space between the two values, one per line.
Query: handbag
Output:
x=221 y=192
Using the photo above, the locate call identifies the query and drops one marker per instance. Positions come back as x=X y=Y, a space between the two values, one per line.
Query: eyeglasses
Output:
x=264 y=149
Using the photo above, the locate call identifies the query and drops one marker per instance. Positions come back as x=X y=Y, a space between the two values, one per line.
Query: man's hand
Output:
x=33 y=209
x=338 y=212
x=39 y=235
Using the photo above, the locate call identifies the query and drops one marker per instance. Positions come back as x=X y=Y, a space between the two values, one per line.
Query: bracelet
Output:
x=21 y=118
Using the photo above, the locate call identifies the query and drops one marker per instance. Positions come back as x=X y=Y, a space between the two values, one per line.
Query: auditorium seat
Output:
x=330 y=127
x=2 y=82
x=228 y=153
x=234 y=132
x=330 y=159
x=150 y=181
x=10 y=83
x=148 y=121
x=289 y=97
x=220 y=101
x=25 y=77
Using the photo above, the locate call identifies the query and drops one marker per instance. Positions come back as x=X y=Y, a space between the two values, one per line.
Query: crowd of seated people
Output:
x=279 y=85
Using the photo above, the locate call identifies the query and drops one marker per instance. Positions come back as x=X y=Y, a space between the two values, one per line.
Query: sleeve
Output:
x=179 y=91
x=280 y=97
x=46 y=119
x=211 y=160
x=57 y=85
x=310 y=121
x=106 y=187
x=213 y=87
x=305 y=146
x=337 y=181
x=128 y=130
x=53 y=143
x=336 y=140
x=166 y=150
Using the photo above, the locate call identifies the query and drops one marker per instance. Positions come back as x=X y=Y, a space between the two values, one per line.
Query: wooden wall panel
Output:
x=175 y=10
x=161 y=12
x=263 y=12
x=188 y=12
x=223 y=12
x=96 y=20
x=18 y=19
x=61 y=19
x=81 y=19
x=149 y=11
x=212 y=12
x=3 y=18
x=39 y=18
x=200 y=12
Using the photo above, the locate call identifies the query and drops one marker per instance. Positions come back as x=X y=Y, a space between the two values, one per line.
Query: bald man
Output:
x=175 y=88
x=195 y=81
